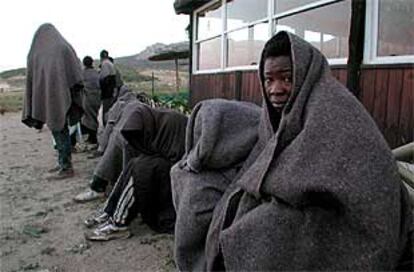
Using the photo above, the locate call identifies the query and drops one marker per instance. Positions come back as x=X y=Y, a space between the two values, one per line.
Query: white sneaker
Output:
x=108 y=232
x=97 y=219
x=88 y=195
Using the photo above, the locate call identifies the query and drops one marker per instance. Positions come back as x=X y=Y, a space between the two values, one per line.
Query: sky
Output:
x=123 y=27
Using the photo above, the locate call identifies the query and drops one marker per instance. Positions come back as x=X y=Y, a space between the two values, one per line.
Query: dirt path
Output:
x=41 y=227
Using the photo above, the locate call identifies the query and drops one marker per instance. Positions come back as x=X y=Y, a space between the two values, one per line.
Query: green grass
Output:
x=174 y=101
x=11 y=101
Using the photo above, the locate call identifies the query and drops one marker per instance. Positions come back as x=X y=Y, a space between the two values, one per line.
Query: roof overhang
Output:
x=187 y=6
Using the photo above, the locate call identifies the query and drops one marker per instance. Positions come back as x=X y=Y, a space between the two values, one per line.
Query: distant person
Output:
x=118 y=79
x=91 y=101
x=107 y=82
x=53 y=92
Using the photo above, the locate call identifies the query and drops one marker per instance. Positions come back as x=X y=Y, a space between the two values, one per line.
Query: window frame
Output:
x=371 y=39
x=306 y=8
x=371 y=34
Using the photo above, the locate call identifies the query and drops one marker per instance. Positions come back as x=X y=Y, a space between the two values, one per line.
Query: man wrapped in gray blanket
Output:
x=320 y=189
x=219 y=137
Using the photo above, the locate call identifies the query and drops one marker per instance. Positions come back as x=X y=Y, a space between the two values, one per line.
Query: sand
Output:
x=42 y=227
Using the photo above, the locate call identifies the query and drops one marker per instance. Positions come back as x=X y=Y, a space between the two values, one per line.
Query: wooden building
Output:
x=369 y=45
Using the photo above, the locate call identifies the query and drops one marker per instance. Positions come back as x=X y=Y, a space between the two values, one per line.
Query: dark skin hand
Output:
x=278 y=80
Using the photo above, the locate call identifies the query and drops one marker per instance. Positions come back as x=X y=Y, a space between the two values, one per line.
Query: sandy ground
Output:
x=41 y=227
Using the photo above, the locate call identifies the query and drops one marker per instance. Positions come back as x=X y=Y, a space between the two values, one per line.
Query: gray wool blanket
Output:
x=321 y=191
x=118 y=151
x=154 y=131
x=91 y=98
x=52 y=70
x=114 y=158
x=107 y=69
x=114 y=115
x=219 y=136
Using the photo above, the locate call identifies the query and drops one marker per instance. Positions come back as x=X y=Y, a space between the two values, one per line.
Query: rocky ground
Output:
x=41 y=227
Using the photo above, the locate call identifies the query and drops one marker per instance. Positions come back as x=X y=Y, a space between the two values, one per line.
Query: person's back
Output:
x=144 y=185
x=91 y=101
x=219 y=136
x=107 y=82
x=53 y=92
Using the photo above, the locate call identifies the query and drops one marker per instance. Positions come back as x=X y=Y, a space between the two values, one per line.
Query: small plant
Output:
x=178 y=101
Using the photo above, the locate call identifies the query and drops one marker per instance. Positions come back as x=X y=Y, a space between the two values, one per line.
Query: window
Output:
x=230 y=34
x=245 y=45
x=326 y=28
x=285 y=5
x=389 y=32
x=241 y=12
x=209 y=26
x=394 y=41
x=209 y=54
x=247 y=30
x=209 y=22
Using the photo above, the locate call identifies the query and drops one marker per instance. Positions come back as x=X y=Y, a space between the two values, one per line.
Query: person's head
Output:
x=87 y=62
x=277 y=71
x=104 y=54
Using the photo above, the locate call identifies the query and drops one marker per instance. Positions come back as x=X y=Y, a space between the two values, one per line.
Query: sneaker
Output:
x=88 y=195
x=96 y=219
x=79 y=148
x=108 y=232
x=62 y=174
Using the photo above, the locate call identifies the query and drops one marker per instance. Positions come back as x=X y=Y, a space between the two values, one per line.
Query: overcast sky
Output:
x=123 y=27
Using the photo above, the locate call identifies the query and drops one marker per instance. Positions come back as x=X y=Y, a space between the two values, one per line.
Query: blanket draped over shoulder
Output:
x=91 y=99
x=114 y=115
x=154 y=131
x=321 y=192
x=117 y=150
x=52 y=70
x=219 y=136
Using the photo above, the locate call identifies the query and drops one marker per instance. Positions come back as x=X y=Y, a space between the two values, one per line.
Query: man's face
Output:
x=278 y=80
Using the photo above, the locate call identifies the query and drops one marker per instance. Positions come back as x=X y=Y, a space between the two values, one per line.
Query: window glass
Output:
x=244 y=46
x=209 y=22
x=240 y=12
x=395 y=28
x=327 y=28
x=284 y=5
x=209 y=54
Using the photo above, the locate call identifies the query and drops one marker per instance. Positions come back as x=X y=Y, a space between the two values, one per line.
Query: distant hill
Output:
x=140 y=61
x=13 y=73
x=135 y=68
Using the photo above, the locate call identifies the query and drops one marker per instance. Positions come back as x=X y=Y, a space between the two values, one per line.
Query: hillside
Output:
x=135 y=69
x=140 y=61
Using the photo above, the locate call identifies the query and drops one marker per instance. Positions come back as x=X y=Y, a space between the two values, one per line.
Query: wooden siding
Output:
x=387 y=94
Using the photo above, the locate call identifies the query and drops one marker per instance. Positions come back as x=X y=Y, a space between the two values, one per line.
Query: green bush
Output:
x=175 y=101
